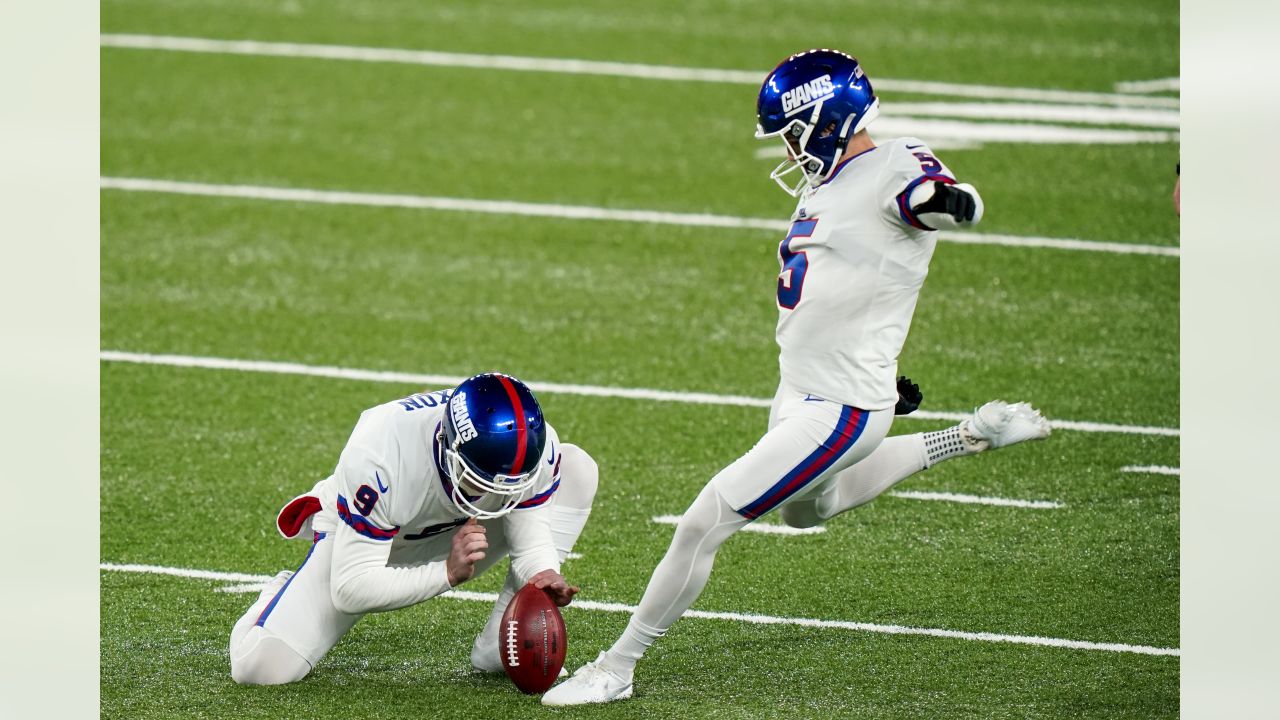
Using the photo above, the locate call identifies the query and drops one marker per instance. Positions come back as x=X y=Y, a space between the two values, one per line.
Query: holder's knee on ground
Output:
x=261 y=658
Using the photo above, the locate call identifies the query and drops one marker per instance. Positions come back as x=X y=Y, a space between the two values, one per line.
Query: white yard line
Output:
x=894 y=126
x=977 y=499
x=755 y=527
x=187 y=573
x=256 y=586
x=772 y=529
x=424 y=380
x=426 y=202
x=594 y=67
x=242 y=588
x=1173 y=84
x=704 y=614
x=958 y=131
x=1087 y=114
x=576 y=212
x=1152 y=469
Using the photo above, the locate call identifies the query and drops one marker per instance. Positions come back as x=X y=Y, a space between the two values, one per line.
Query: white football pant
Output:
x=303 y=625
x=817 y=459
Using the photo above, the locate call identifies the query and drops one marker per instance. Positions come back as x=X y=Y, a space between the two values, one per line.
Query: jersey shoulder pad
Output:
x=548 y=473
x=911 y=157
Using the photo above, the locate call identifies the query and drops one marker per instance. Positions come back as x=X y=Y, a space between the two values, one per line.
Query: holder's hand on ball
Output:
x=554 y=584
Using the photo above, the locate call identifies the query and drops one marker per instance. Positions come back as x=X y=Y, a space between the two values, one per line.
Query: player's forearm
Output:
x=542 y=558
x=943 y=206
x=361 y=582
x=389 y=588
x=532 y=547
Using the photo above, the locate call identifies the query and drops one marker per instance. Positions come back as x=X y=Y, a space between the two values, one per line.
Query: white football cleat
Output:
x=486 y=662
x=590 y=684
x=999 y=424
x=274 y=584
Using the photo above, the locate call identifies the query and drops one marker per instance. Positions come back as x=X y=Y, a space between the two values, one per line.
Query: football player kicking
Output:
x=430 y=491
x=852 y=267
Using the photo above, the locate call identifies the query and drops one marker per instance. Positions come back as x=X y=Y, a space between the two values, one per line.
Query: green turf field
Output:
x=196 y=461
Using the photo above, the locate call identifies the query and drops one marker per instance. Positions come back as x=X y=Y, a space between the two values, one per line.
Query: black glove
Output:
x=946 y=199
x=909 y=397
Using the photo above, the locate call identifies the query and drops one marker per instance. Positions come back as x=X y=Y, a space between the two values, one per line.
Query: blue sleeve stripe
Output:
x=540 y=498
x=363 y=526
x=904 y=199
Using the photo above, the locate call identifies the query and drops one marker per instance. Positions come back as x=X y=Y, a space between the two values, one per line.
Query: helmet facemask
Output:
x=466 y=479
x=795 y=135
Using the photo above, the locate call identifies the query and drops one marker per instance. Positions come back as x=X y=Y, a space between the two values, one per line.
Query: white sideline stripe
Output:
x=576 y=212
x=423 y=380
x=592 y=67
x=1149 y=86
x=1152 y=469
x=739 y=617
x=956 y=131
x=755 y=527
x=977 y=499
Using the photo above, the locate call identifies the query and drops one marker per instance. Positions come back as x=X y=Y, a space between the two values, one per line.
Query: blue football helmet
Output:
x=815 y=101
x=492 y=438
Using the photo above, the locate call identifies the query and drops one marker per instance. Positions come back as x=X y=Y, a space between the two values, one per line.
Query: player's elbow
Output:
x=943 y=206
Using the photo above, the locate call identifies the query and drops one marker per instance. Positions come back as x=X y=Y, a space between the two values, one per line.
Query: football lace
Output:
x=513 y=658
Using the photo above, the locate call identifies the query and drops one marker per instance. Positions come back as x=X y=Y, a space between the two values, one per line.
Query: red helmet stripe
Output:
x=521 y=428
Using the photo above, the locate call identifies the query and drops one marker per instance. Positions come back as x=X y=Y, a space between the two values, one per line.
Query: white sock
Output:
x=946 y=444
x=621 y=659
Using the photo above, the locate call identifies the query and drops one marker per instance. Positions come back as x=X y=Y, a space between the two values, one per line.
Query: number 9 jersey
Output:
x=852 y=266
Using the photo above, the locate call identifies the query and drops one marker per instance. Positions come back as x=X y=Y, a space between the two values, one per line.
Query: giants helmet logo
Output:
x=802 y=96
x=462 y=417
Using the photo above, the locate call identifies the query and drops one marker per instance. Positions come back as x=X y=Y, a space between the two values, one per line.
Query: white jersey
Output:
x=853 y=264
x=389 y=493
x=390 y=482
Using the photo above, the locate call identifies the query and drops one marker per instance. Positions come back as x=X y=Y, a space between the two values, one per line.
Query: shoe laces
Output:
x=596 y=675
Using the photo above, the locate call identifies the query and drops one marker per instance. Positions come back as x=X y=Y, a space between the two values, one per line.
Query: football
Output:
x=532 y=640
